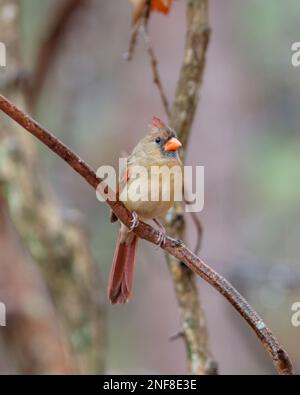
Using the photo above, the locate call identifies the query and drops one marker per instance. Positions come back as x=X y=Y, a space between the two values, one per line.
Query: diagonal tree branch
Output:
x=175 y=248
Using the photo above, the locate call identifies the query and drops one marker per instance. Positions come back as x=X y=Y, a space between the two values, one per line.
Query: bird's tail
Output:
x=121 y=276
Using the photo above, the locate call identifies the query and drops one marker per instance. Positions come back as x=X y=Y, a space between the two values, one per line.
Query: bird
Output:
x=158 y=148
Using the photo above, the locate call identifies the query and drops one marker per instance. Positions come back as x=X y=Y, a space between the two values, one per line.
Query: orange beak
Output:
x=172 y=145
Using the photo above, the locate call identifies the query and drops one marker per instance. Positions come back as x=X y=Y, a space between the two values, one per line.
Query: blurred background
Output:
x=246 y=134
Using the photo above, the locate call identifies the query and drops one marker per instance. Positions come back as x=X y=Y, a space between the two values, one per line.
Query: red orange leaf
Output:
x=156 y=5
x=161 y=5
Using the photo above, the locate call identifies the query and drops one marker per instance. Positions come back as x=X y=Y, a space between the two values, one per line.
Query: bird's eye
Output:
x=157 y=140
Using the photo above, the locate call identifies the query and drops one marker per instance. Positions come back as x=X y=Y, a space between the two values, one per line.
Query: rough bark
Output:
x=32 y=338
x=60 y=248
x=193 y=321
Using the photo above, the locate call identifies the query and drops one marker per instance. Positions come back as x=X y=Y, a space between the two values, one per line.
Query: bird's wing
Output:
x=123 y=181
x=121 y=185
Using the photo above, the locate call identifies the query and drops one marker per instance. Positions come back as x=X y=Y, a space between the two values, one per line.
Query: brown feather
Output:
x=121 y=276
x=148 y=152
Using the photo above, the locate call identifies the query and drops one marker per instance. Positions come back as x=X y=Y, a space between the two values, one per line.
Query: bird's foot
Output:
x=162 y=236
x=134 y=223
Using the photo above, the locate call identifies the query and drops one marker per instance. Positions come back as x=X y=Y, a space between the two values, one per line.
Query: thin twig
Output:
x=143 y=17
x=154 y=66
x=141 y=27
x=174 y=247
x=176 y=336
x=132 y=43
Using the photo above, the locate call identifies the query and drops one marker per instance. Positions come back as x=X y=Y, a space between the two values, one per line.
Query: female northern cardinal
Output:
x=158 y=148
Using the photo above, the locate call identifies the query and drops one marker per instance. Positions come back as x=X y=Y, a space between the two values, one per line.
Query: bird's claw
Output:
x=134 y=222
x=162 y=238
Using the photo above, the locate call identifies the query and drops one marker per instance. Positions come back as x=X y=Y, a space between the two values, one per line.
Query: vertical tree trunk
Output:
x=34 y=341
x=194 y=327
x=60 y=248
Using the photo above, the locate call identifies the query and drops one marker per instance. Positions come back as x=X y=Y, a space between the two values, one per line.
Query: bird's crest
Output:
x=157 y=123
